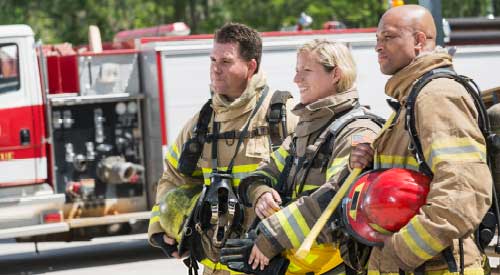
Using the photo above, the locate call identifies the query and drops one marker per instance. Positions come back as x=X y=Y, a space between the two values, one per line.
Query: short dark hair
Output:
x=248 y=39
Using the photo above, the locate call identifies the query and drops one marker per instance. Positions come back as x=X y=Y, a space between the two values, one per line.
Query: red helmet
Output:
x=381 y=202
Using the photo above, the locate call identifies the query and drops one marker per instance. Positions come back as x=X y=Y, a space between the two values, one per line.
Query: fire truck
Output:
x=83 y=133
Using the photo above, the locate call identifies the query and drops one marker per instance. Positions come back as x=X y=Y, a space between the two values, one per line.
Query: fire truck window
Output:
x=9 y=68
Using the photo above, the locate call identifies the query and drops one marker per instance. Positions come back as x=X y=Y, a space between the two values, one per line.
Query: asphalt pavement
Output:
x=114 y=255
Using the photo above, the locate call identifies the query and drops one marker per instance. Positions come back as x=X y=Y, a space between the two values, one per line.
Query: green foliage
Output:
x=57 y=21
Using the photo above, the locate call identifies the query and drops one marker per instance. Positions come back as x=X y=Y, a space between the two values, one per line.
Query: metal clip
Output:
x=215 y=213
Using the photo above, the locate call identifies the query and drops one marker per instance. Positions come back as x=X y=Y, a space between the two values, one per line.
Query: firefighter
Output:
x=438 y=239
x=232 y=130
x=331 y=122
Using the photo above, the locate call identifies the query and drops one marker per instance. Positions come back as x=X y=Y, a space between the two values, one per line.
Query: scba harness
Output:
x=322 y=150
x=218 y=214
x=485 y=232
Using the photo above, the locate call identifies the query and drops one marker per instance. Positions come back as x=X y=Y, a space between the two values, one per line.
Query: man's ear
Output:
x=420 y=41
x=252 y=67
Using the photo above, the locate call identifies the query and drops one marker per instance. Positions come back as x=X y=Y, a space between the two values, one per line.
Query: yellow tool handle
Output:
x=305 y=247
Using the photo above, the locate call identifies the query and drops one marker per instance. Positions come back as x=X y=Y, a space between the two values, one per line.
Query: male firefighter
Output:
x=219 y=146
x=438 y=239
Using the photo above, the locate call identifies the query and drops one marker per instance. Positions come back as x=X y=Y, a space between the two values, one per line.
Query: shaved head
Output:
x=403 y=33
x=414 y=18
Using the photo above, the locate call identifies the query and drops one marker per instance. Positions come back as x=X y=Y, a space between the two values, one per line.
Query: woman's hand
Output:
x=268 y=204
x=257 y=258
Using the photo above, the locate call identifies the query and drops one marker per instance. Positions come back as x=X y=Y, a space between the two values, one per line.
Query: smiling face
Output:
x=313 y=80
x=229 y=72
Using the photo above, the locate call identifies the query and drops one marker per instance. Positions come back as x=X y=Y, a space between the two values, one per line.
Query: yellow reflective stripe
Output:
x=467 y=271
x=172 y=155
x=388 y=161
x=337 y=165
x=274 y=181
x=455 y=149
x=217 y=266
x=279 y=157
x=154 y=220
x=197 y=173
x=155 y=214
x=293 y=223
x=307 y=187
x=421 y=242
x=239 y=172
x=299 y=219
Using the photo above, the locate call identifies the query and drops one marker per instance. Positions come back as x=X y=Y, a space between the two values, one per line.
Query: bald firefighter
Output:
x=331 y=122
x=218 y=147
x=438 y=240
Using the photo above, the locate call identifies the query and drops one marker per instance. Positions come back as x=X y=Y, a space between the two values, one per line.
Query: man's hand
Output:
x=171 y=242
x=361 y=156
x=267 y=204
x=167 y=245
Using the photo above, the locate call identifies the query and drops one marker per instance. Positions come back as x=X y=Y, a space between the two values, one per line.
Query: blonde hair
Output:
x=334 y=54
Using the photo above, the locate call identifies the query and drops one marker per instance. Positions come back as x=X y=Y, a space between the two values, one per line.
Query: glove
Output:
x=236 y=252
x=167 y=249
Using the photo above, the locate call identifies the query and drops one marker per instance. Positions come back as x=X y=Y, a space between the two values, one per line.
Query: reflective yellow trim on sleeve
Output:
x=274 y=181
x=154 y=220
x=337 y=165
x=294 y=210
x=451 y=149
x=279 y=158
x=239 y=172
x=172 y=155
x=293 y=224
x=420 y=241
x=217 y=266
x=155 y=214
x=388 y=161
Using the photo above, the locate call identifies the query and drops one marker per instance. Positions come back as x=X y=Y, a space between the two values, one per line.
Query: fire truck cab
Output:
x=71 y=151
x=27 y=195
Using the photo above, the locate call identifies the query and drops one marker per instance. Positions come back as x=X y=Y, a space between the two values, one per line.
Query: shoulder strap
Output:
x=484 y=125
x=204 y=117
x=471 y=88
x=331 y=132
x=276 y=117
x=192 y=148
x=357 y=113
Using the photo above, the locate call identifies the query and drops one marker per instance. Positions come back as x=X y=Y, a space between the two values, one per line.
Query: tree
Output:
x=57 y=21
